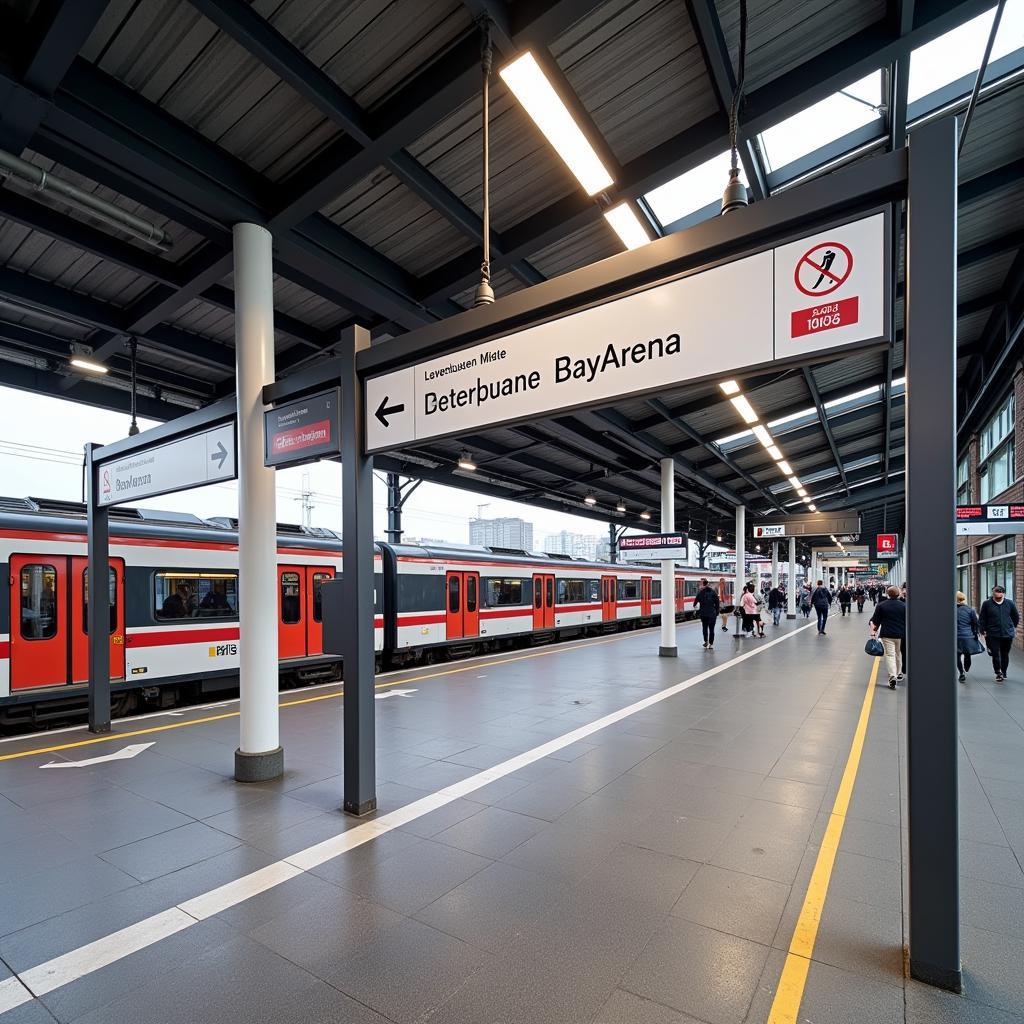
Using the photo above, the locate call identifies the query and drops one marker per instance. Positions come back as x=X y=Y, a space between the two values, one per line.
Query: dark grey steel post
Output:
x=98 y=612
x=931 y=495
x=357 y=585
x=394 y=508
x=613 y=543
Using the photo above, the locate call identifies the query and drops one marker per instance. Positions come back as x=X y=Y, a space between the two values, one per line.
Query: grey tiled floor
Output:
x=649 y=874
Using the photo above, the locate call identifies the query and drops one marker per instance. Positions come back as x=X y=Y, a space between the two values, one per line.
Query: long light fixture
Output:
x=81 y=363
x=531 y=87
x=590 y=499
x=774 y=452
x=761 y=433
x=785 y=468
x=795 y=483
x=627 y=225
x=465 y=462
x=744 y=408
x=621 y=506
x=645 y=514
x=730 y=387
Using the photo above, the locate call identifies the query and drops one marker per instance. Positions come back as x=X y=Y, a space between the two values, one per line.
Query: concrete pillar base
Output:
x=668 y=652
x=791 y=615
x=259 y=767
x=358 y=810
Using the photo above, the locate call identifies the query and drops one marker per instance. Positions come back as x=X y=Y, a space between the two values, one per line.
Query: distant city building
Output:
x=501 y=533
x=578 y=545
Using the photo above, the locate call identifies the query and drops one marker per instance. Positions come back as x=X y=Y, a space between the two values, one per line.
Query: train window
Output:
x=629 y=590
x=318 y=601
x=655 y=588
x=550 y=592
x=85 y=600
x=593 y=590
x=470 y=593
x=572 y=591
x=38 y=602
x=453 y=593
x=692 y=586
x=291 y=598
x=179 y=594
x=505 y=591
x=538 y=591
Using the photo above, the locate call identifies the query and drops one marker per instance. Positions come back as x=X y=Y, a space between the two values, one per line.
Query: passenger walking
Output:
x=998 y=621
x=708 y=608
x=805 y=600
x=859 y=597
x=751 y=615
x=889 y=624
x=721 y=604
x=776 y=603
x=821 y=599
x=967 y=642
x=845 y=598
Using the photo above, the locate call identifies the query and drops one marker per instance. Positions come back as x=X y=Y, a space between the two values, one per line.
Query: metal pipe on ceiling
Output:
x=38 y=180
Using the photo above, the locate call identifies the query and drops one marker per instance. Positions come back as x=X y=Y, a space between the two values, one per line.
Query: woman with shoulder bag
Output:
x=967 y=642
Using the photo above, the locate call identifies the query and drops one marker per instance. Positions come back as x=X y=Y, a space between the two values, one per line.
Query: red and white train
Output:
x=173 y=583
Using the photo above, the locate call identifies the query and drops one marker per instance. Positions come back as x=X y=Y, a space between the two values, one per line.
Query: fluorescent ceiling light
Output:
x=590 y=500
x=813 y=508
x=539 y=99
x=645 y=515
x=730 y=387
x=744 y=408
x=796 y=483
x=621 y=507
x=785 y=467
x=802 y=492
x=691 y=191
x=88 y=365
x=624 y=220
x=465 y=462
x=775 y=453
x=763 y=436
x=807 y=501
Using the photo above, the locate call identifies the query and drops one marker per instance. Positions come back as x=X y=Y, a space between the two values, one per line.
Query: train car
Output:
x=173 y=581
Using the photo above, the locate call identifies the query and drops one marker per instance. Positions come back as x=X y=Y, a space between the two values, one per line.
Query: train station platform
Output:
x=582 y=832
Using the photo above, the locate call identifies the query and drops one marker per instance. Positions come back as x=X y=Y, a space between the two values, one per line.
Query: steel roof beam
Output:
x=812 y=390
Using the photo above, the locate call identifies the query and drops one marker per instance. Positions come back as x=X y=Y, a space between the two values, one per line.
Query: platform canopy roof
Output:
x=352 y=130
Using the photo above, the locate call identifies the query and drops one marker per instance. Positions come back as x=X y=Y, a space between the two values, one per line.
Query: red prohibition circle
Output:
x=837 y=281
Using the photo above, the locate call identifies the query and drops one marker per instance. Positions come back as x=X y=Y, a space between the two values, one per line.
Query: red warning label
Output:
x=825 y=317
x=823 y=269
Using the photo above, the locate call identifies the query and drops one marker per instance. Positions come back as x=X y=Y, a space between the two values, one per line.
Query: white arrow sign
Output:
x=124 y=754
x=394 y=693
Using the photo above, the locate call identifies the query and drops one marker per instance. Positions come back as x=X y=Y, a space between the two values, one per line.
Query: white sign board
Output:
x=746 y=313
x=192 y=461
x=653 y=547
x=769 y=531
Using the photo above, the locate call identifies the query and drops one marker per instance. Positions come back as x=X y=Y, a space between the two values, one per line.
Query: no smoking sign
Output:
x=823 y=269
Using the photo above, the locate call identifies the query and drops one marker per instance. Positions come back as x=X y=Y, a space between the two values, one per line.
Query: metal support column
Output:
x=741 y=562
x=775 y=563
x=931 y=494
x=791 y=590
x=259 y=756
x=360 y=764
x=613 y=538
x=668 y=566
x=98 y=552
x=394 y=482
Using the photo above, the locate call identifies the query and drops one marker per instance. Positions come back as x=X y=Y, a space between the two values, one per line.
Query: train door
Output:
x=39 y=621
x=462 y=605
x=645 y=597
x=543 y=601
x=79 y=592
x=609 y=610
x=314 y=620
x=291 y=628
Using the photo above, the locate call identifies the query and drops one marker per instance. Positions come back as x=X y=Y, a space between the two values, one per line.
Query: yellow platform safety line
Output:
x=108 y=737
x=789 y=994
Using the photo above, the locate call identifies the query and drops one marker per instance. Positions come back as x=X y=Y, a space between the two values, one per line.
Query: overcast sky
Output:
x=41 y=442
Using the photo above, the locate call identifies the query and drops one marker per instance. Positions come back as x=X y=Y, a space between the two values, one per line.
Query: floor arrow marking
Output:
x=394 y=693
x=124 y=754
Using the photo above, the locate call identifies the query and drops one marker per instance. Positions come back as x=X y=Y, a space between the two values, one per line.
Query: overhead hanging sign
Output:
x=654 y=547
x=982 y=519
x=851 y=554
x=813 y=524
x=742 y=314
x=303 y=431
x=202 y=458
x=887 y=543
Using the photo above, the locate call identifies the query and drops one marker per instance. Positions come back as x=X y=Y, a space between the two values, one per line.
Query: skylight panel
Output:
x=957 y=54
x=690 y=191
x=826 y=121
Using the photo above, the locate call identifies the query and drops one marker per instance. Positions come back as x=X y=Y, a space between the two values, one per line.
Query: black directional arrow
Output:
x=220 y=455
x=384 y=410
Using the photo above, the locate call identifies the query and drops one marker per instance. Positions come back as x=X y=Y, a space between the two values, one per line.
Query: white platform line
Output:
x=78 y=963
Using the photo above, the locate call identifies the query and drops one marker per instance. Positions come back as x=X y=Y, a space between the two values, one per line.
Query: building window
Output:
x=963 y=574
x=38 y=602
x=995 y=452
x=189 y=595
x=963 y=481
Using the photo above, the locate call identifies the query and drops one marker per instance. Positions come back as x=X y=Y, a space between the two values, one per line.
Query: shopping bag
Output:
x=874 y=647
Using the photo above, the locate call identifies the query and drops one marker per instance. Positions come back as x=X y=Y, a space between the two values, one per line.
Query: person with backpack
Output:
x=708 y=609
x=997 y=622
x=821 y=599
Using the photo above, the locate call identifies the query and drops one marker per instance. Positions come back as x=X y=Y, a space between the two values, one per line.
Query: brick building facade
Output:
x=990 y=470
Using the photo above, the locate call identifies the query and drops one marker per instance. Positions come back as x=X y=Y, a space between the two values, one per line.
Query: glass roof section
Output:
x=830 y=119
x=691 y=191
x=958 y=53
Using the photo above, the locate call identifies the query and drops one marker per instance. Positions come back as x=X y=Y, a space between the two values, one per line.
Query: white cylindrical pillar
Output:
x=668 y=565
x=259 y=756
x=741 y=560
x=775 y=563
x=791 y=591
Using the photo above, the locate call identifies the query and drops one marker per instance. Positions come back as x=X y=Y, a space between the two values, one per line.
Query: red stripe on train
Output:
x=182 y=636
x=5 y=649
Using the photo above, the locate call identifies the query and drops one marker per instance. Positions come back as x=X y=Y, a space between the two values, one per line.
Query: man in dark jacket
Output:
x=708 y=606
x=998 y=621
x=820 y=600
x=889 y=622
x=776 y=603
